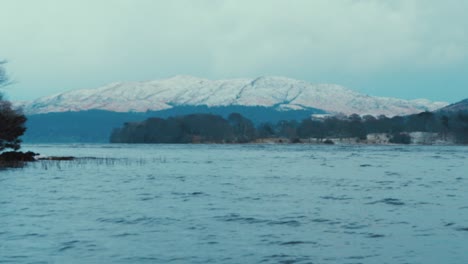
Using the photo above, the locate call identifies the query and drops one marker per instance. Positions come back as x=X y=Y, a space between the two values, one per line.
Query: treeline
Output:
x=208 y=128
x=193 y=128
x=446 y=125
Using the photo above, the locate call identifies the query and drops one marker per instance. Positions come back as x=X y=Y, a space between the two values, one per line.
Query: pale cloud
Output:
x=55 y=45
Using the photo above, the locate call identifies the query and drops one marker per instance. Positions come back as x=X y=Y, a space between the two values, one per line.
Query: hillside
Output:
x=461 y=106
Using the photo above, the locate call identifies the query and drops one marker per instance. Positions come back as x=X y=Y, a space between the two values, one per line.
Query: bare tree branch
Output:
x=4 y=80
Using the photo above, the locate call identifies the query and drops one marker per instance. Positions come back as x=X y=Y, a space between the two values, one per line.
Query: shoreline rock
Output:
x=12 y=156
x=16 y=159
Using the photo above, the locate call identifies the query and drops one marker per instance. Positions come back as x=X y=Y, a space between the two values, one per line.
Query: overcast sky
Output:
x=401 y=48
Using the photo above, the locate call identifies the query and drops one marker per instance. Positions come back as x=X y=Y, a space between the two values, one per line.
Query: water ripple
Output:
x=389 y=201
x=237 y=204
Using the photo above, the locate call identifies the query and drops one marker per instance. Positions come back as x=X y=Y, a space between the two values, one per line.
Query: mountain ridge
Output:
x=281 y=93
x=456 y=107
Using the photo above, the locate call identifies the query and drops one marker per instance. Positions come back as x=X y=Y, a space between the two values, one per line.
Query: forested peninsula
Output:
x=422 y=128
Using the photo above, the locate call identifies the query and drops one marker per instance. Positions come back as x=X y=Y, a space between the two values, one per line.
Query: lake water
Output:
x=237 y=204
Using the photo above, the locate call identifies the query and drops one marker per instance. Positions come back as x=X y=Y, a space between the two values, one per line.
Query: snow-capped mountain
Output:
x=278 y=92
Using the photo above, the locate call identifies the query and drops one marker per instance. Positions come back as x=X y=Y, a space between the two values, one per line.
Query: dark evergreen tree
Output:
x=444 y=126
x=312 y=129
x=288 y=129
x=243 y=128
x=356 y=129
x=266 y=130
x=461 y=128
x=400 y=138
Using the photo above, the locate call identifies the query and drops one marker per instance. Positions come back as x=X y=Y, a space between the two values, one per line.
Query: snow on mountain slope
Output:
x=279 y=92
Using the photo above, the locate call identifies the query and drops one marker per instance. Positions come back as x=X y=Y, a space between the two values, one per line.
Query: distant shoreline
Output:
x=414 y=139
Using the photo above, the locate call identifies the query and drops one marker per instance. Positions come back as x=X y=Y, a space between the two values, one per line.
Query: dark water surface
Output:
x=237 y=204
